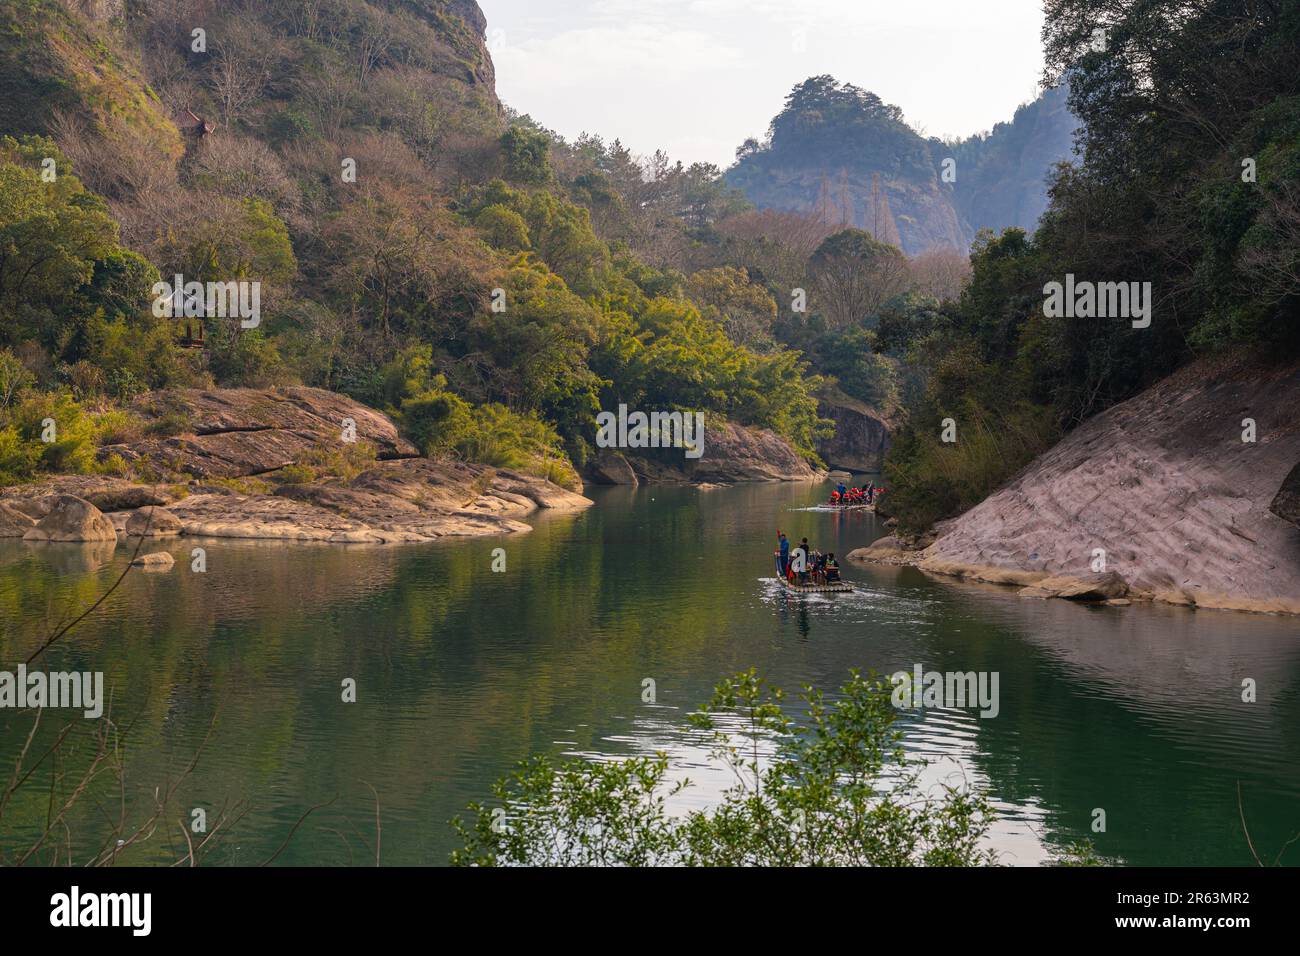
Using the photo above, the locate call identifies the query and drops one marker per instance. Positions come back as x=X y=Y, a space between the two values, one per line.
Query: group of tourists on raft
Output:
x=804 y=565
x=854 y=496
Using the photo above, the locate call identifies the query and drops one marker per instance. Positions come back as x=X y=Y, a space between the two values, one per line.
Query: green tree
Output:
x=527 y=155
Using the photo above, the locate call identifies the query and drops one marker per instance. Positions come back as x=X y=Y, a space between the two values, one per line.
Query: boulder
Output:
x=1106 y=586
x=611 y=468
x=156 y=561
x=153 y=523
x=887 y=543
x=886 y=550
x=1096 y=587
x=14 y=523
x=72 y=519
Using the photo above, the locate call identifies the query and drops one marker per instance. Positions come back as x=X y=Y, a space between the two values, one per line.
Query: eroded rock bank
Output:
x=220 y=463
x=732 y=453
x=1160 y=498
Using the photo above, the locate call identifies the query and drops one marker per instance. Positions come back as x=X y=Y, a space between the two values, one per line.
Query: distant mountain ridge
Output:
x=841 y=154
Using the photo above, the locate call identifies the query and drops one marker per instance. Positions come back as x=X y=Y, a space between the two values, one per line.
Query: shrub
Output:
x=929 y=479
x=74 y=436
x=836 y=791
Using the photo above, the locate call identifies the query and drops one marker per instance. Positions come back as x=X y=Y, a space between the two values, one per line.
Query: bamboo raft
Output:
x=837 y=587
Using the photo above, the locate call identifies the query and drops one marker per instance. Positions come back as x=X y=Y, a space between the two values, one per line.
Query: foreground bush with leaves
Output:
x=834 y=789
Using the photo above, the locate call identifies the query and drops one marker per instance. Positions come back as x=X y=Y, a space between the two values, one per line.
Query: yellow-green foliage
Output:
x=51 y=432
x=440 y=422
x=503 y=229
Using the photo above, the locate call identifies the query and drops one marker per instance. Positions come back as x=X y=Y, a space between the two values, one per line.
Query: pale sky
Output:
x=696 y=77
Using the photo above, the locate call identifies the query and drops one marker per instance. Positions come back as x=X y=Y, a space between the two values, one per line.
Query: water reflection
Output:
x=461 y=671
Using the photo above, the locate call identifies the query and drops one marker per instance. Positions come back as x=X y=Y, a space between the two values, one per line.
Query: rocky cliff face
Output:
x=96 y=60
x=919 y=211
x=864 y=168
x=1164 y=490
x=461 y=26
x=861 y=438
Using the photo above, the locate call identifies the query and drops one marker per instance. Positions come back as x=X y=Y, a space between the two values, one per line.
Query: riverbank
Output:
x=1177 y=496
x=304 y=464
x=296 y=464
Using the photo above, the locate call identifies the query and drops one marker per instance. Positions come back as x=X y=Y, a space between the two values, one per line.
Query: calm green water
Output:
x=461 y=672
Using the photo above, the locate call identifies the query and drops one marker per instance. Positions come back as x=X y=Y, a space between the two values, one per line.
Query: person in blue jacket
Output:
x=785 y=553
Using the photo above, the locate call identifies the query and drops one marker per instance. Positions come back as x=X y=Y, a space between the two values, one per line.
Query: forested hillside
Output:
x=1189 y=180
x=417 y=246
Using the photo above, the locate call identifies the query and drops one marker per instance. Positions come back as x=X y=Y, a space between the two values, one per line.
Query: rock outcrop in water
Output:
x=1161 y=492
x=72 y=519
x=223 y=474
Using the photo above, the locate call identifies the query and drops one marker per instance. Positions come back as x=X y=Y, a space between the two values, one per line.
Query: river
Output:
x=461 y=671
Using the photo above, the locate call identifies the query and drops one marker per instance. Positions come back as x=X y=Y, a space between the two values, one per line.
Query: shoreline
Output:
x=1106 y=588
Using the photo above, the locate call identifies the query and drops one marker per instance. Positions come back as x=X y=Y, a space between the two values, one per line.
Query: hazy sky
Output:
x=695 y=77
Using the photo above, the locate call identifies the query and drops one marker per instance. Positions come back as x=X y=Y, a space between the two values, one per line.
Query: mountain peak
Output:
x=842 y=154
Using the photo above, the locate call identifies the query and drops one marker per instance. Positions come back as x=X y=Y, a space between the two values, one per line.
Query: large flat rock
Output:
x=409 y=500
x=244 y=432
x=1165 y=486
